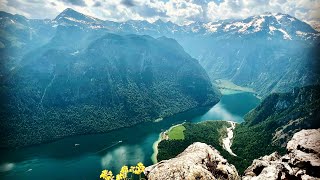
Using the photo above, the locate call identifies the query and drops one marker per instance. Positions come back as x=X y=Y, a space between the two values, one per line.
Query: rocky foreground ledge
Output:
x=302 y=160
x=201 y=161
x=198 y=161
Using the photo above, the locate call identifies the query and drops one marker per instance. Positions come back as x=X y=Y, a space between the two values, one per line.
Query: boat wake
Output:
x=108 y=147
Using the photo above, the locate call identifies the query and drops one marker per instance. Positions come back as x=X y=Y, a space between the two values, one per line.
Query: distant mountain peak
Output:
x=159 y=21
x=70 y=15
x=68 y=12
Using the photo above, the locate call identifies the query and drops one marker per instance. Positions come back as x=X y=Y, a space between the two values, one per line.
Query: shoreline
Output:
x=56 y=139
x=155 y=149
x=224 y=84
x=224 y=146
x=155 y=144
x=227 y=87
x=228 y=91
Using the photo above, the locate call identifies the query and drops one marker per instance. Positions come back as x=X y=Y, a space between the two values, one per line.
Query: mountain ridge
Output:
x=232 y=50
x=205 y=28
x=99 y=83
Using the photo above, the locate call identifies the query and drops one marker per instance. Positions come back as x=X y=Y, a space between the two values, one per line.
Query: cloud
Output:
x=97 y=4
x=30 y=9
x=181 y=11
x=75 y=2
x=149 y=11
x=178 y=11
x=306 y=10
x=128 y=3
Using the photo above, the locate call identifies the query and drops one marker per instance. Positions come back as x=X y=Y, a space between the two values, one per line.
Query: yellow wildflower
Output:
x=119 y=177
x=137 y=169
x=124 y=171
x=106 y=175
x=131 y=169
x=134 y=170
x=141 y=167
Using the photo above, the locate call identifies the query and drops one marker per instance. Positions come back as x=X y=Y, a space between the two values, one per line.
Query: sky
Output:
x=177 y=11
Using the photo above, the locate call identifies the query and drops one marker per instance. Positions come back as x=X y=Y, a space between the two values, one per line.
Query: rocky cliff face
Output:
x=302 y=160
x=287 y=113
x=198 y=161
x=201 y=161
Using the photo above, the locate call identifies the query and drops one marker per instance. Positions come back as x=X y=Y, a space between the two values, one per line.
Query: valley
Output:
x=113 y=149
x=265 y=129
x=82 y=95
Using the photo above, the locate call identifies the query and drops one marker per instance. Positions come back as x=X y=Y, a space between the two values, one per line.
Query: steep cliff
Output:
x=302 y=160
x=97 y=83
x=198 y=161
x=201 y=161
x=269 y=126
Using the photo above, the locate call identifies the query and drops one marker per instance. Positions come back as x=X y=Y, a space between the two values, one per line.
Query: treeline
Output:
x=266 y=129
x=272 y=124
x=209 y=132
x=115 y=81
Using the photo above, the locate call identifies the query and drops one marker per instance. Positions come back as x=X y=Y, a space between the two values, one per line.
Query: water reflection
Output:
x=6 y=167
x=219 y=112
x=126 y=146
x=123 y=155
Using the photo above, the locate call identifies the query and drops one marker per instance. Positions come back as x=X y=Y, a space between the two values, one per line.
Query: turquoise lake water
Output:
x=64 y=159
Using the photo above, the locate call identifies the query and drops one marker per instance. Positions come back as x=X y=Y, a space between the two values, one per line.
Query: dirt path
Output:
x=227 y=142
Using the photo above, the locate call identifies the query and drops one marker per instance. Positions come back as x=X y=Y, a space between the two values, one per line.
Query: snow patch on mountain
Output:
x=211 y=27
x=285 y=34
x=272 y=29
x=268 y=25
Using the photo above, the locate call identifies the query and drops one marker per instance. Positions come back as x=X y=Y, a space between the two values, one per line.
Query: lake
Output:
x=83 y=157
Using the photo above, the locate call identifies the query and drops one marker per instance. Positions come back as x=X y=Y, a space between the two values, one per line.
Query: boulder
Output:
x=302 y=160
x=199 y=161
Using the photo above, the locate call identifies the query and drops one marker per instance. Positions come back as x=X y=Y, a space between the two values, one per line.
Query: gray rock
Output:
x=302 y=160
x=198 y=161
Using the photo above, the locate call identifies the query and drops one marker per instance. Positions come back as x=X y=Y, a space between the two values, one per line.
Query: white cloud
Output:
x=178 y=11
x=183 y=12
x=307 y=10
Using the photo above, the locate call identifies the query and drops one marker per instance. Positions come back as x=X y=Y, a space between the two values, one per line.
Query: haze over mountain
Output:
x=53 y=59
x=85 y=80
x=76 y=75
x=234 y=50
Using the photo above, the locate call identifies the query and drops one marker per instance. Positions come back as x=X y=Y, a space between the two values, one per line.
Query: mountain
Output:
x=97 y=83
x=272 y=124
x=268 y=24
x=71 y=17
x=268 y=52
x=20 y=32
